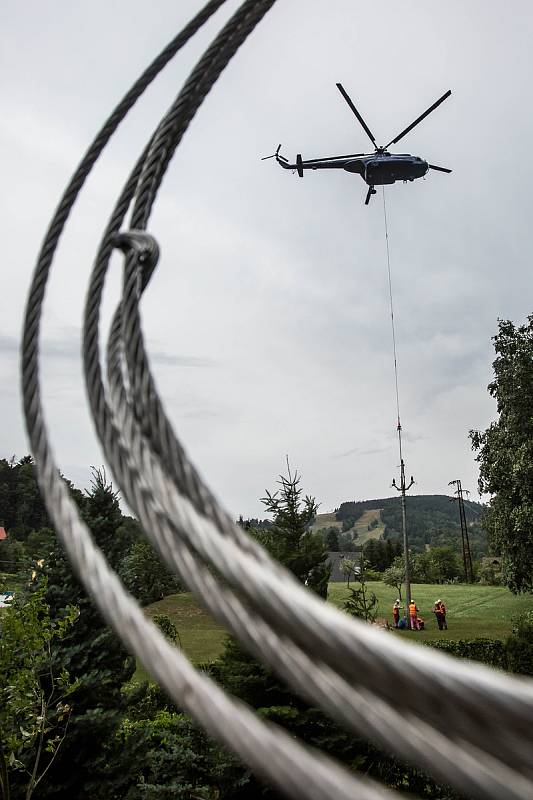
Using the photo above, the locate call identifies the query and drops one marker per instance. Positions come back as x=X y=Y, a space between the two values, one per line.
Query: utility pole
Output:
x=467 y=556
x=402 y=488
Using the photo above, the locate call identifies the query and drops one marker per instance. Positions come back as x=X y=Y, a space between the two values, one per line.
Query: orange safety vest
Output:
x=412 y=609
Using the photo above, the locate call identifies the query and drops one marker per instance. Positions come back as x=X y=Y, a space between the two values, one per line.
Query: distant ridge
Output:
x=432 y=520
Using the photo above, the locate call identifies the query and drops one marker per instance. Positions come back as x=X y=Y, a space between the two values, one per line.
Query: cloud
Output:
x=268 y=321
x=358 y=451
x=68 y=348
x=171 y=360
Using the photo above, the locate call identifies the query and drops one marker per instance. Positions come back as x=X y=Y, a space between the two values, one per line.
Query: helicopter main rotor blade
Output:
x=420 y=118
x=439 y=169
x=369 y=133
x=333 y=158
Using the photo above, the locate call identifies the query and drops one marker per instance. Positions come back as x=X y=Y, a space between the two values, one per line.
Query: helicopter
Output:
x=376 y=169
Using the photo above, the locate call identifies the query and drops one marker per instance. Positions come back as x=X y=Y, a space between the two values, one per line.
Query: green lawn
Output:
x=12 y=582
x=201 y=638
x=473 y=611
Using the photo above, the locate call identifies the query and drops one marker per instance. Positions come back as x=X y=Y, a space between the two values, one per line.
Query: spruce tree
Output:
x=290 y=539
x=91 y=653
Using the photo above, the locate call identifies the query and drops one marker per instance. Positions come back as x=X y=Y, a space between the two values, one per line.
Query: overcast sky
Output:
x=268 y=319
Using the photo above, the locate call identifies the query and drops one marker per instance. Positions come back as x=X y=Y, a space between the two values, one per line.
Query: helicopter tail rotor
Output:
x=276 y=155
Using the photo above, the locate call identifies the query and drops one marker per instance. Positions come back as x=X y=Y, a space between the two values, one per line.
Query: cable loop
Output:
x=400 y=696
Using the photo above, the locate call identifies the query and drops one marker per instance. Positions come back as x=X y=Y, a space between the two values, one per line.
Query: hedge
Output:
x=514 y=655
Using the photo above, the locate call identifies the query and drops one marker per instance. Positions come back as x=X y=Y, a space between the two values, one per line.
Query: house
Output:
x=335 y=560
x=492 y=561
x=3 y=534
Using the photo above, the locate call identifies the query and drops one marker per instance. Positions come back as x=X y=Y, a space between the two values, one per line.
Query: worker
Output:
x=413 y=614
x=443 y=612
x=420 y=624
x=437 y=610
x=396 y=613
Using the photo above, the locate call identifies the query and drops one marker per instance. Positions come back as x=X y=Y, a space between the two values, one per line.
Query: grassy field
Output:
x=11 y=582
x=360 y=529
x=328 y=520
x=201 y=638
x=361 y=526
x=473 y=611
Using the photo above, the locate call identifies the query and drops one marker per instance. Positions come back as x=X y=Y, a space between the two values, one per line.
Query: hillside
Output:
x=368 y=526
x=432 y=520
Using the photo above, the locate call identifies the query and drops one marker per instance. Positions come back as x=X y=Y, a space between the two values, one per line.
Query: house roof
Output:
x=335 y=560
x=3 y=533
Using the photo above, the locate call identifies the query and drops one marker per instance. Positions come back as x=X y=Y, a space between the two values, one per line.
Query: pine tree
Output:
x=362 y=603
x=91 y=653
x=332 y=539
x=290 y=540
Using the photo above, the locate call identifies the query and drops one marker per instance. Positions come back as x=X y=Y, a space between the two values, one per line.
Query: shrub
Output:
x=489 y=577
x=166 y=626
x=491 y=652
x=519 y=656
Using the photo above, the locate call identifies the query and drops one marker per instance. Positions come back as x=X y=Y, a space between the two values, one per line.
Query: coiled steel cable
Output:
x=369 y=682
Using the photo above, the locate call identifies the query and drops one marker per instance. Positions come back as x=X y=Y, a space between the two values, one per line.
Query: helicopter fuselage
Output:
x=385 y=168
x=377 y=168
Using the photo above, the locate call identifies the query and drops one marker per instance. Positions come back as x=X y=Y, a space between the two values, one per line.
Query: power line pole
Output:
x=403 y=489
x=467 y=556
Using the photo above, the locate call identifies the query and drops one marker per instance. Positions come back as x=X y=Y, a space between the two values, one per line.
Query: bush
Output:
x=166 y=626
x=173 y=760
x=489 y=577
x=520 y=645
x=519 y=656
x=144 y=701
x=515 y=655
x=523 y=626
x=491 y=652
x=373 y=575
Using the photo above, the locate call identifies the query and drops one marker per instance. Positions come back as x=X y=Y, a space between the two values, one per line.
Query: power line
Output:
x=467 y=556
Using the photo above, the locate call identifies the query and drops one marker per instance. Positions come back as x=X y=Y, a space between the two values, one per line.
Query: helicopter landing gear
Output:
x=369 y=194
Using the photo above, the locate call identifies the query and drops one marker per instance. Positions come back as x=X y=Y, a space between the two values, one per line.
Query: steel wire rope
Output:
x=263 y=636
x=135 y=395
x=58 y=496
x=129 y=340
x=151 y=527
x=499 y=749
x=114 y=216
x=470 y=721
x=360 y=711
x=100 y=580
x=391 y=304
